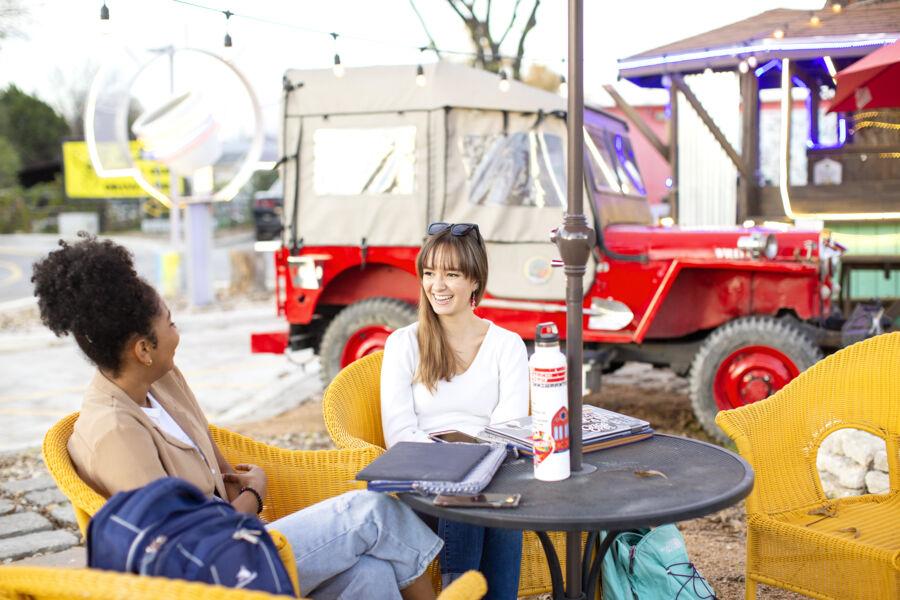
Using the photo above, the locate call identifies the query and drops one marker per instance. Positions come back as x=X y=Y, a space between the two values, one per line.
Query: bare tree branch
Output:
x=431 y=41
x=520 y=50
x=512 y=21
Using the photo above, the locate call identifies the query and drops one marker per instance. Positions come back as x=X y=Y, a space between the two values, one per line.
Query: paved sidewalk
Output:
x=42 y=377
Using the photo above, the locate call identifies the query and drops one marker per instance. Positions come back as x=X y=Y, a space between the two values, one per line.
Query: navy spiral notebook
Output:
x=424 y=461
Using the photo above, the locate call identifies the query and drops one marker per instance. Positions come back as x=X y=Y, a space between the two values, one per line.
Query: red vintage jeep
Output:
x=372 y=158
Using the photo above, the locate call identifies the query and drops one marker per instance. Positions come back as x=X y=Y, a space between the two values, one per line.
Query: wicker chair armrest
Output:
x=296 y=478
x=46 y=583
x=471 y=586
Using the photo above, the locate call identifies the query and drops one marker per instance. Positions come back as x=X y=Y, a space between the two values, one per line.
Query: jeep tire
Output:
x=744 y=361
x=360 y=329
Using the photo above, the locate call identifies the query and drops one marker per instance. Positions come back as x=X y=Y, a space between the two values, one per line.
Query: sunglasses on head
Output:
x=457 y=229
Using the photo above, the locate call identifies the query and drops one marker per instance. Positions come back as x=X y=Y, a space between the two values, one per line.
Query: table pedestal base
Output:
x=591 y=561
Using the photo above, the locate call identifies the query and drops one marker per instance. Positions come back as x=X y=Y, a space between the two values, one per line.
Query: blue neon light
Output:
x=760 y=71
x=759 y=46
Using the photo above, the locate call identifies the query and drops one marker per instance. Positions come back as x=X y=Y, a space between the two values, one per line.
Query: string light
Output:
x=420 y=72
x=778 y=33
x=751 y=62
x=814 y=19
x=504 y=81
x=708 y=70
x=420 y=76
x=837 y=7
x=227 y=14
x=338 y=68
x=368 y=40
x=743 y=67
x=563 y=88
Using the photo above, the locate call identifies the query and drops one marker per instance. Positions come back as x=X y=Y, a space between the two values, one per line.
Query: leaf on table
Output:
x=851 y=530
x=651 y=473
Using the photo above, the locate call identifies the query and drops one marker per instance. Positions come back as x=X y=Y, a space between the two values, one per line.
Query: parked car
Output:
x=742 y=311
x=267 y=209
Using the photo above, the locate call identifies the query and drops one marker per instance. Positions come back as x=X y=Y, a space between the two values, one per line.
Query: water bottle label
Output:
x=553 y=439
x=548 y=378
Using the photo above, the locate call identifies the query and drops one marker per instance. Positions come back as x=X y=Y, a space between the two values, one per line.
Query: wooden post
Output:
x=638 y=122
x=678 y=81
x=673 y=151
x=748 y=188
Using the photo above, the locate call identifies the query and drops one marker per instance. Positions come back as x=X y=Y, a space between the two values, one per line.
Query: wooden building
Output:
x=843 y=170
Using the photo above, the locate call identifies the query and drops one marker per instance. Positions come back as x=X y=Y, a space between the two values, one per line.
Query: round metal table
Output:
x=660 y=480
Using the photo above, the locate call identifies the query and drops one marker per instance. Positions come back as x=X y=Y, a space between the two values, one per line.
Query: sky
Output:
x=62 y=45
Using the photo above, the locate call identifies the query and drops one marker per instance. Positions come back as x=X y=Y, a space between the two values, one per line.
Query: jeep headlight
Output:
x=759 y=244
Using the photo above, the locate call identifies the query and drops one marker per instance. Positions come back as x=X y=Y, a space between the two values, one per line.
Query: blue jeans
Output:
x=358 y=545
x=497 y=553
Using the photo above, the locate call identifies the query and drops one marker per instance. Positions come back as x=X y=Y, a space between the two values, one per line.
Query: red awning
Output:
x=871 y=82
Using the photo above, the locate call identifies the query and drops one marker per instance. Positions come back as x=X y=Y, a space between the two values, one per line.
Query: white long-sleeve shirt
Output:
x=493 y=389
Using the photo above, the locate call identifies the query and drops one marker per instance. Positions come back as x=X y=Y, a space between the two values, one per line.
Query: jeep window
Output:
x=351 y=162
x=626 y=165
x=518 y=169
x=603 y=175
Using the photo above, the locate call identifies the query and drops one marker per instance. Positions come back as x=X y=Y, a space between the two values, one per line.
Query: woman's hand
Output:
x=250 y=476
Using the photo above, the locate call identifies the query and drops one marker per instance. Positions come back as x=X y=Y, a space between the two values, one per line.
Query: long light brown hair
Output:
x=466 y=254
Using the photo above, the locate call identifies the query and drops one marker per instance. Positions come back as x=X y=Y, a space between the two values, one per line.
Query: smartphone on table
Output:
x=479 y=501
x=455 y=436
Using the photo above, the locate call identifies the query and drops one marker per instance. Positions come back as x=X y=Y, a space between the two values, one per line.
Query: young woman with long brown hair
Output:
x=454 y=370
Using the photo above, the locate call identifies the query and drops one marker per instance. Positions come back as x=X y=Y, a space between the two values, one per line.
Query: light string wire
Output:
x=331 y=34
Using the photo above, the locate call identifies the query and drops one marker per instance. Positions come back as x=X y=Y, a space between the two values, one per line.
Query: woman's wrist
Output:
x=256 y=495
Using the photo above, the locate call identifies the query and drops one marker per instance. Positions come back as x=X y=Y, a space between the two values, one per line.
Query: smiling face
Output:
x=445 y=285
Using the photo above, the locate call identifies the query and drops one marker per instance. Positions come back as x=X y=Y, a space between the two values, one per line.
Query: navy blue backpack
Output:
x=169 y=528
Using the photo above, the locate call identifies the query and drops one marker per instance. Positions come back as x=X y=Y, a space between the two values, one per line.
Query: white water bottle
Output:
x=549 y=406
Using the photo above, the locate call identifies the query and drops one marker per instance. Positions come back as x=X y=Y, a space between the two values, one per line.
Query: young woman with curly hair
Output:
x=140 y=421
x=454 y=370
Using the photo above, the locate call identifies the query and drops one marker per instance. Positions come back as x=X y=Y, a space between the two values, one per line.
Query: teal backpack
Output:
x=652 y=564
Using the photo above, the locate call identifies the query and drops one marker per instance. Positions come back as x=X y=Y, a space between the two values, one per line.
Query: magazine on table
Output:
x=600 y=429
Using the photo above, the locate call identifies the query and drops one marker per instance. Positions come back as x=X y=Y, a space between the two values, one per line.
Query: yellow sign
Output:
x=82 y=181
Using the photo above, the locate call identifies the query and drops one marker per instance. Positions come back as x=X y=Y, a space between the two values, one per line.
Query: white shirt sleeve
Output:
x=398 y=416
x=513 y=368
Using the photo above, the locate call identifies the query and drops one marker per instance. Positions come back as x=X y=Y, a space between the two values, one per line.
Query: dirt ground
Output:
x=715 y=543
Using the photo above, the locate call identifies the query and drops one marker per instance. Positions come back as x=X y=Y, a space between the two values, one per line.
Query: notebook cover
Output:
x=424 y=461
x=598 y=424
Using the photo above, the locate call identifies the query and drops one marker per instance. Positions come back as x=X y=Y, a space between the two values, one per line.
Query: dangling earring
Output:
x=472 y=301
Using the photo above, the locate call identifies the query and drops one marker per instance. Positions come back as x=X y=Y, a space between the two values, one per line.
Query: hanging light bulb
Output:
x=420 y=76
x=778 y=33
x=420 y=72
x=708 y=71
x=743 y=67
x=504 y=81
x=752 y=62
x=814 y=19
x=837 y=7
x=104 y=19
x=338 y=68
x=563 y=88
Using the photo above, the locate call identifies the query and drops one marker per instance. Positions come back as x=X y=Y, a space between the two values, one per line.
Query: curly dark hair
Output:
x=91 y=290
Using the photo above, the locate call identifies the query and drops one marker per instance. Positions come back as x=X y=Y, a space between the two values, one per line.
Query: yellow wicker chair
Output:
x=297 y=478
x=46 y=583
x=790 y=542
x=352 y=410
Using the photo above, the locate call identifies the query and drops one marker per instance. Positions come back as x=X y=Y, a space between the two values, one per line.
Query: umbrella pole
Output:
x=575 y=240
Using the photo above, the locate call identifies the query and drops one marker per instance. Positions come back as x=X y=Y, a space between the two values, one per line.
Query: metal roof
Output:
x=845 y=36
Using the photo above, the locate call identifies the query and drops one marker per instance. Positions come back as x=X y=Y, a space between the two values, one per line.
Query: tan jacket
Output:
x=116 y=447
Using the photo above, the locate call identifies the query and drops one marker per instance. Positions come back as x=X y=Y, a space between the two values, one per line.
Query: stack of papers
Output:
x=600 y=429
